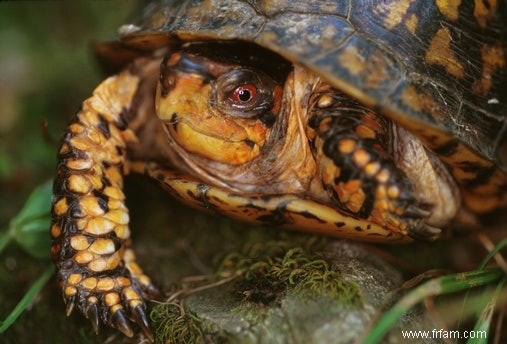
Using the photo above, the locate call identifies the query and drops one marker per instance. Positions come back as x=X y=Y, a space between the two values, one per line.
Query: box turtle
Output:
x=374 y=120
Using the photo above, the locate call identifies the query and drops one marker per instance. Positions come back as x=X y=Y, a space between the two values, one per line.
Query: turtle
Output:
x=372 y=120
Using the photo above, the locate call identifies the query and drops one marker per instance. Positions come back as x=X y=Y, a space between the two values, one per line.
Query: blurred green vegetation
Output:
x=46 y=70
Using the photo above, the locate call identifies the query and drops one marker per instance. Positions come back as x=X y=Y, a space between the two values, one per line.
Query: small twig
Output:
x=490 y=246
x=499 y=324
x=187 y=292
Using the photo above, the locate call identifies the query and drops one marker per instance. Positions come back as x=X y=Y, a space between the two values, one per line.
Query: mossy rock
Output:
x=284 y=294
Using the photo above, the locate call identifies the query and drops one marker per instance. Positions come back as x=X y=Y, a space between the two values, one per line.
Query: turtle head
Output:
x=219 y=110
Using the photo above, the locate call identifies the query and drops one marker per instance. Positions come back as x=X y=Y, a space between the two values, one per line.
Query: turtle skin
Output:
x=404 y=60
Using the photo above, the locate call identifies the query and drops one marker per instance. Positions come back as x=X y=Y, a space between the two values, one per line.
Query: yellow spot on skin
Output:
x=114 y=176
x=372 y=168
x=131 y=294
x=83 y=257
x=393 y=12
x=411 y=23
x=352 y=60
x=440 y=53
x=61 y=207
x=90 y=206
x=383 y=176
x=351 y=194
x=113 y=192
x=116 y=204
x=79 y=242
x=102 y=246
x=483 y=13
x=112 y=299
x=105 y=284
x=329 y=171
x=365 y=132
x=493 y=58
x=449 y=8
x=325 y=101
x=123 y=281
x=116 y=308
x=347 y=146
x=92 y=300
x=144 y=280
x=79 y=164
x=361 y=157
x=96 y=181
x=74 y=279
x=69 y=291
x=118 y=216
x=99 y=226
x=79 y=184
x=393 y=191
x=122 y=231
x=381 y=193
x=56 y=231
x=98 y=265
x=89 y=283
x=76 y=128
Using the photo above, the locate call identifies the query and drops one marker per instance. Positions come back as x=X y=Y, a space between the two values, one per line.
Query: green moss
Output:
x=173 y=324
x=275 y=268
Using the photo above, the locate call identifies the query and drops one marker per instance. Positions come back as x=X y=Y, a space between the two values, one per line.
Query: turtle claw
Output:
x=70 y=303
x=120 y=322
x=414 y=211
x=93 y=314
x=423 y=231
x=141 y=319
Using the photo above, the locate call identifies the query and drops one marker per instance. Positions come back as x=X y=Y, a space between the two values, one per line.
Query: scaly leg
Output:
x=96 y=269
x=358 y=170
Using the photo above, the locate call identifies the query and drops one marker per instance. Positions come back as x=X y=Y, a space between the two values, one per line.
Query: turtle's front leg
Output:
x=358 y=169
x=96 y=269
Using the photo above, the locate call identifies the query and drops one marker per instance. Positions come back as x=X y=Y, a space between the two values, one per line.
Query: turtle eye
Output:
x=243 y=93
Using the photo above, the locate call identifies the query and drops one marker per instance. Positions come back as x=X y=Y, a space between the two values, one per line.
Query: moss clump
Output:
x=173 y=324
x=281 y=268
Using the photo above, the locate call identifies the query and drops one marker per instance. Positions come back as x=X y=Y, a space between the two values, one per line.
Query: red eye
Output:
x=244 y=93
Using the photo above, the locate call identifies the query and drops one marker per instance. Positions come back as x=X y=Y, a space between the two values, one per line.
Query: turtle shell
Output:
x=438 y=68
